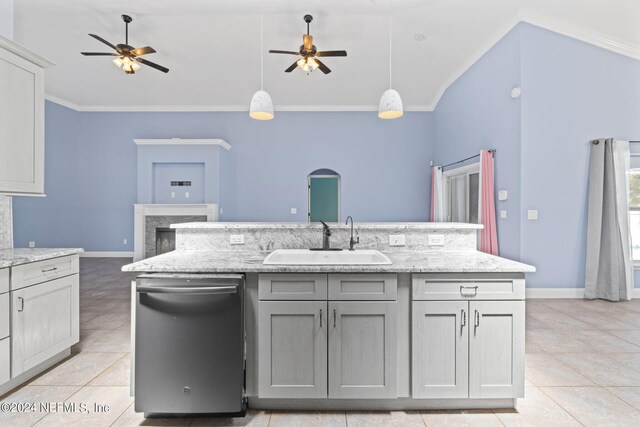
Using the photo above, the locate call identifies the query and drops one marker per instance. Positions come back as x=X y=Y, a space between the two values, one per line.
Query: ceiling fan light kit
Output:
x=128 y=57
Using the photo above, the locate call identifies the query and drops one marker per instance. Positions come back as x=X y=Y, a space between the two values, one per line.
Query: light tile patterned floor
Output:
x=582 y=368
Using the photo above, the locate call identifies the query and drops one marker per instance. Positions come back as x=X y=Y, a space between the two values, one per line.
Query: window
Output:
x=462 y=192
x=634 y=207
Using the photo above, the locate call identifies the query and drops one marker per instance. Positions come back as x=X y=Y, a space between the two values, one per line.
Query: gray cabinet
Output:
x=440 y=359
x=44 y=322
x=496 y=349
x=314 y=348
x=467 y=348
x=362 y=349
x=292 y=351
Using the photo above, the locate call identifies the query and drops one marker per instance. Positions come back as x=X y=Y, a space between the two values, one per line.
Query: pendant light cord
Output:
x=390 y=42
x=261 y=47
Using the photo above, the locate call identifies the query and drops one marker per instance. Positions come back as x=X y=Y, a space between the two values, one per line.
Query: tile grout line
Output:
x=561 y=407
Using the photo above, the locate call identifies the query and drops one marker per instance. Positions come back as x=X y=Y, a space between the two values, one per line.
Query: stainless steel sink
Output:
x=307 y=257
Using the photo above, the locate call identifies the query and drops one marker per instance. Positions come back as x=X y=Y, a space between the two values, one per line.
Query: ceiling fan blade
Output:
x=307 y=41
x=143 y=51
x=322 y=67
x=100 y=39
x=99 y=54
x=288 y=52
x=292 y=67
x=152 y=65
x=332 y=53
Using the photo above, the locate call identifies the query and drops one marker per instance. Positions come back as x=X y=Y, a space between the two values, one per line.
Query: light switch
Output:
x=32 y=244
x=294 y=211
x=173 y=194
x=532 y=214
x=186 y=195
x=396 y=240
x=503 y=214
x=503 y=195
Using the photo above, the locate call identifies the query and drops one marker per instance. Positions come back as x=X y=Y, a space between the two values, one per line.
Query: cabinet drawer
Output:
x=426 y=287
x=363 y=287
x=42 y=271
x=292 y=287
x=4 y=280
x=4 y=315
x=5 y=362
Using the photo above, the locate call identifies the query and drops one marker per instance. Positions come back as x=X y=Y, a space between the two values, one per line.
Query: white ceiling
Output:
x=213 y=47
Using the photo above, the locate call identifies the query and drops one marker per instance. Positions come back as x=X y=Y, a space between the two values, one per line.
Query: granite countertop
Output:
x=12 y=257
x=403 y=262
x=306 y=225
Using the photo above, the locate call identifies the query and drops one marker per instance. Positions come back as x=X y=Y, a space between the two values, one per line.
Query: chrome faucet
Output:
x=326 y=233
x=352 y=241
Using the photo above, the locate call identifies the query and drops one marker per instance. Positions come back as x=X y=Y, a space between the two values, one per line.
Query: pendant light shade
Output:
x=390 y=105
x=261 y=106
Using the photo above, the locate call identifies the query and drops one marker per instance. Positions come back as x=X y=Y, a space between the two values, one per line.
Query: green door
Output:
x=324 y=199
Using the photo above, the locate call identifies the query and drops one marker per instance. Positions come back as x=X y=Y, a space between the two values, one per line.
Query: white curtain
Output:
x=609 y=267
x=437 y=195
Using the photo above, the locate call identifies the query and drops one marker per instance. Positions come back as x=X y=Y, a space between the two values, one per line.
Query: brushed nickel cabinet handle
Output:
x=477 y=320
x=334 y=318
x=321 y=318
x=21 y=301
x=463 y=314
x=48 y=270
x=468 y=291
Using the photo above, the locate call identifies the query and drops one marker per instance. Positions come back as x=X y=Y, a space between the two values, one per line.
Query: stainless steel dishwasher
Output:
x=189 y=344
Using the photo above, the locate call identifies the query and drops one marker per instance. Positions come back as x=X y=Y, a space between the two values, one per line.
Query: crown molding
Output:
x=220 y=108
x=24 y=53
x=179 y=141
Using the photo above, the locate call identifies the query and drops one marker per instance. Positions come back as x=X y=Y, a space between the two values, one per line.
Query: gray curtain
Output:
x=609 y=269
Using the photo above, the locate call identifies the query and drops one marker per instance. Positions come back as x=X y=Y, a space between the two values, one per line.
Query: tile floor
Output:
x=582 y=368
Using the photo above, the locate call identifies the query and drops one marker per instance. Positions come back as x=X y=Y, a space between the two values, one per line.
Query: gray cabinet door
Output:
x=44 y=322
x=292 y=349
x=362 y=350
x=496 y=353
x=440 y=349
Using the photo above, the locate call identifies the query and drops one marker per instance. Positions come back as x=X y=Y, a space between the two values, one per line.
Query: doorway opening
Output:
x=323 y=201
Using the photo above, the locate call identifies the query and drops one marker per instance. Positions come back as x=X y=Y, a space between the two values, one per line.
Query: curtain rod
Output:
x=492 y=151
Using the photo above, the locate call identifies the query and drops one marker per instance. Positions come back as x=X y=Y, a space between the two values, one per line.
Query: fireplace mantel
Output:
x=141 y=211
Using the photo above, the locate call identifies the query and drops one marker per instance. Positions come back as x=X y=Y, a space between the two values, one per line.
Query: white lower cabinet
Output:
x=468 y=349
x=362 y=349
x=292 y=349
x=44 y=322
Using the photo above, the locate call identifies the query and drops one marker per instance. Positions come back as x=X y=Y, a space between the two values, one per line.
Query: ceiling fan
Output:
x=127 y=56
x=309 y=53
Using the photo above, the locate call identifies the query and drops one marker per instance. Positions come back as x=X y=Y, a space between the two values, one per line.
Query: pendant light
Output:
x=261 y=106
x=390 y=106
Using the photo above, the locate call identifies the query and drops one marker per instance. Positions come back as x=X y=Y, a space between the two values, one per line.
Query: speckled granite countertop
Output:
x=306 y=225
x=403 y=262
x=12 y=257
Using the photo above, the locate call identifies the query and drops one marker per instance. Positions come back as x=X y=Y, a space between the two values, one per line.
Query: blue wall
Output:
x=166 y=173
x=572 y=92
x=91 y=169
x=476 y=113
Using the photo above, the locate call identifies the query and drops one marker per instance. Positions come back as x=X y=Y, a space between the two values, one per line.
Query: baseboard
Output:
x=106 y=255
x=557 y=293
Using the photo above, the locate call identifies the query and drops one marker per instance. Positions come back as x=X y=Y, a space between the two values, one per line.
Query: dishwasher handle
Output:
x=200 y=290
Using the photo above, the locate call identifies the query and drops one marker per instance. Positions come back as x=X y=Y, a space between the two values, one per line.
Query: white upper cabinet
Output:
x=21 y=119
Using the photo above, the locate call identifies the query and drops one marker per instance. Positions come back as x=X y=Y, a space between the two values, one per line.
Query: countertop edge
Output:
x=19 y=256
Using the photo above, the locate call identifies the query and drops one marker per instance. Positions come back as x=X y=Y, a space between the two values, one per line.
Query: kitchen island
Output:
x=442 y=326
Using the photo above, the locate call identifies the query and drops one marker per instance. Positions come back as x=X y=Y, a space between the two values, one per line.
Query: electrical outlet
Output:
x=532 y=214
x=186 y=195
x=503 y=195
x=124 y=241
x=173 y=194
x=294 y=211
x=236 y=239
x=32 y=244
x=220 y=211
x=397 y=240
x=503 y=214
x=435 y=240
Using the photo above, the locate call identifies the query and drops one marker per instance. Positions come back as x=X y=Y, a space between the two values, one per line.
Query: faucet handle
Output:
x=324 y=224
